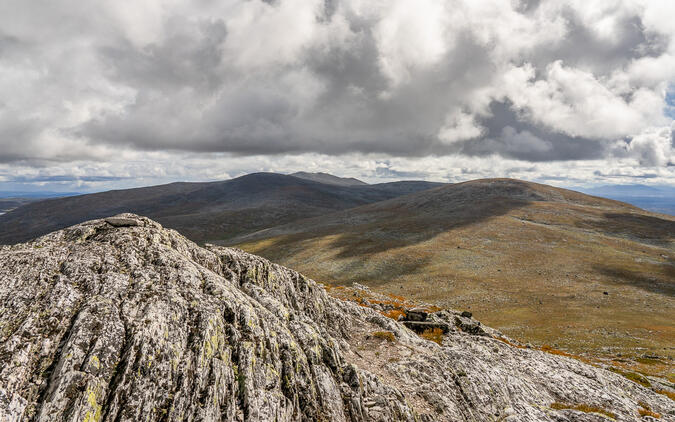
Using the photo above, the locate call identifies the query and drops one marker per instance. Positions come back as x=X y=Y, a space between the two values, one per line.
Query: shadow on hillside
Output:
x=650 y=284
x=399 y=231
x=378 y=273
x=638 y=227
x=285 y=248
x=393 y=228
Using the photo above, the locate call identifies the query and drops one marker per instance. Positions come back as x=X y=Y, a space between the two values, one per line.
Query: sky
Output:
x=110 y=94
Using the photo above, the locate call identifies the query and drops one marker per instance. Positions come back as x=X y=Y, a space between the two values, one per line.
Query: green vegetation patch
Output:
x=635 y=377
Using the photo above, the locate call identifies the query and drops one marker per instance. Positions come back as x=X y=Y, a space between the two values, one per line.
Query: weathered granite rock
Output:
x=470 y=326
x=106 y=322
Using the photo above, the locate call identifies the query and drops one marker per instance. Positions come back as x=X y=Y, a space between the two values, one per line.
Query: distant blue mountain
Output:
x=35 y=194
x=660 y=198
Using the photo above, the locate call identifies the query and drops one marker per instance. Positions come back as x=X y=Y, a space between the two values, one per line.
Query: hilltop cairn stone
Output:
x=122 y=221
x=122 y=320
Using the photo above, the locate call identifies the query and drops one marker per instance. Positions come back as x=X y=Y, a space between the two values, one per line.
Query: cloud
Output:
x=653 y=147
x=460 y=126
x=530 y=81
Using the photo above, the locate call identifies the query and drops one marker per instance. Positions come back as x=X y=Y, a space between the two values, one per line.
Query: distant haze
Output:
x=653 y=198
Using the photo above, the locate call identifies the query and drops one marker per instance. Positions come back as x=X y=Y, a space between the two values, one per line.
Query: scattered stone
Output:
x=466 y=314
x=605 y=293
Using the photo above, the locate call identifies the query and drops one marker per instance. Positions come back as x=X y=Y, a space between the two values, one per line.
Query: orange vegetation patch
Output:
x=503 y=340
x=667 y=393
x=548 y=349
x=394 y=314
x=433 y=334
x=397 y=305
x=586 y=408
x=645 y=410
x=397 y=297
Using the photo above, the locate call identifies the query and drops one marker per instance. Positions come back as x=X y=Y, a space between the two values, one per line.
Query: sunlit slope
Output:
x=543 y=264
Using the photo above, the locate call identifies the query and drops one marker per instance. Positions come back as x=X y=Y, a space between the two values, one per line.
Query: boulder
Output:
x=416 y=314
x=421 y=326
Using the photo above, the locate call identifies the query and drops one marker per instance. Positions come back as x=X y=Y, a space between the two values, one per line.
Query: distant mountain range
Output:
x=653 y=198
x=35 y=194
x=208 y=211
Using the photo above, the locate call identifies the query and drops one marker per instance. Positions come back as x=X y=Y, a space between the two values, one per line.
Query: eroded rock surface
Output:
x=124 y=321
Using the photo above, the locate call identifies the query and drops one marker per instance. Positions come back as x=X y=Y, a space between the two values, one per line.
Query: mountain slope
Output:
x=8 y=204
x=204 y=211
x=122 y=320
x=532 y=260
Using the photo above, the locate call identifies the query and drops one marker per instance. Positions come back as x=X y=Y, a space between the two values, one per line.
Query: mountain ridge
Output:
x=476 y=191
x=203 y=211
x=329 y=178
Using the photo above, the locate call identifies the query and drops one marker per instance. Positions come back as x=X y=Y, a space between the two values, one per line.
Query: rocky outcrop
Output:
x=122 y=320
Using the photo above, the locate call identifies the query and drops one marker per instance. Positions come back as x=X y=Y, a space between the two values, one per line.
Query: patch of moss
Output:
x=648 y=360
x=586 y=408
x=637 y=378
x=385 y=335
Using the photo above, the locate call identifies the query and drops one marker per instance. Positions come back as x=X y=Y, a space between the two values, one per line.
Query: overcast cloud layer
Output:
x=108 y=91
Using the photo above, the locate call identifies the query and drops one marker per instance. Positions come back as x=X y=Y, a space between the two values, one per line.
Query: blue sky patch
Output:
x=670 y=100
